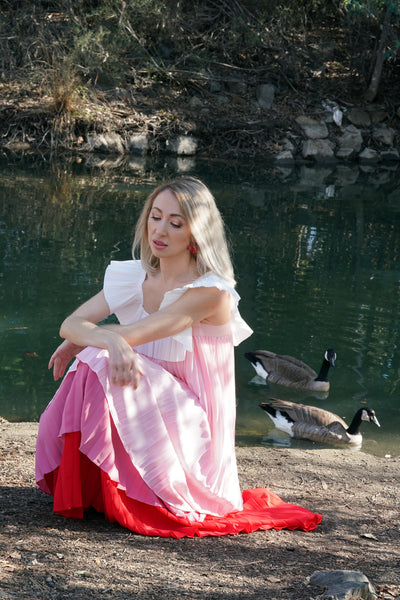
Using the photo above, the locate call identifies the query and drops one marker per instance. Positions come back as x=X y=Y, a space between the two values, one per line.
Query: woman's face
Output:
x=167 y=228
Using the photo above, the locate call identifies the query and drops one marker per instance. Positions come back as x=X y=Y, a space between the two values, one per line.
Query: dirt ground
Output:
x=45 y=556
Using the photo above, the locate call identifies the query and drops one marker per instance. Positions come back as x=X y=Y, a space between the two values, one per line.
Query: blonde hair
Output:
x=205 y=223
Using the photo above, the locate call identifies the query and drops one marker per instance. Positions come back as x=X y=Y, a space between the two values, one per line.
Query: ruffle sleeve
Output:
x=123 y=292
x=123 y=288
x=239 y=328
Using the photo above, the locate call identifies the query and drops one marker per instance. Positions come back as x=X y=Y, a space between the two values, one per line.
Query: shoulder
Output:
x=124 y=268
x=219 y=288
x=122 y=282
x=212 y=304
x=226 y=305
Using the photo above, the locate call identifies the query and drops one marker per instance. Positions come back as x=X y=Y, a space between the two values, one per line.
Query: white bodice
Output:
x=123 y=292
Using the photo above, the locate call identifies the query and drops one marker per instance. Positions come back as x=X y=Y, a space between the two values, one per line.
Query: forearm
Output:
x=197 y=305
x=82 y=332
x=153 y=327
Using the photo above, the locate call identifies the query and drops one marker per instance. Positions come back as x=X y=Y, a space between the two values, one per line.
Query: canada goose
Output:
x=286 y=370
x=316 y=424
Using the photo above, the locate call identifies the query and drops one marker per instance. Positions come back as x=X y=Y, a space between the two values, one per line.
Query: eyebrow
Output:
x=171 y=215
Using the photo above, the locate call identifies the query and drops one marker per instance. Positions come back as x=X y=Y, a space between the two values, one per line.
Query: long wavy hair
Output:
x=205 y=223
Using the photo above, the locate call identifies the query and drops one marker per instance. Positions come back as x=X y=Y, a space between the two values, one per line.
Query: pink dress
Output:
x=160 y=459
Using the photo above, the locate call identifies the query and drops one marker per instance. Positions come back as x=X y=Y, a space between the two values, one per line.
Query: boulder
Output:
x=107 y=142
x=343 y=585
x=384 y=135
x=319 y=150
x=351 y=138
x=313 y=129
x=359 y=117
x=182 y=145
x=265 y=94
x=368 y=155
x=137 y=143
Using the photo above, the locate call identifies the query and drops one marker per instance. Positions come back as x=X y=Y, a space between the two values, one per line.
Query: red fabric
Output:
x=78 y=484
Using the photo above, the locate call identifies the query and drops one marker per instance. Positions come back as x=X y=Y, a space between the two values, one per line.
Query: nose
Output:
x=161 y=226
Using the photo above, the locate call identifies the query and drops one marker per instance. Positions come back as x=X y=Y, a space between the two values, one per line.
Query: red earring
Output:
x=192 y=248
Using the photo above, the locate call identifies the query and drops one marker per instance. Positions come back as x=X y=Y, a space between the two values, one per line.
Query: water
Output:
x=317 y=257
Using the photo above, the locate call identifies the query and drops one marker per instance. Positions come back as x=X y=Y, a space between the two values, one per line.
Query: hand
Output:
x=124 y=363
x=62 y=356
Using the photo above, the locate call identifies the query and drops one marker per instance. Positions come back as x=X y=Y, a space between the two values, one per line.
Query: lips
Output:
x=158 y=244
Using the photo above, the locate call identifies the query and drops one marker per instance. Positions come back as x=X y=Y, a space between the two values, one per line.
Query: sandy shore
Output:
x=44 y=556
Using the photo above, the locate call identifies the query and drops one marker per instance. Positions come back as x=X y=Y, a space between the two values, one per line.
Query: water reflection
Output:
x=317 y=254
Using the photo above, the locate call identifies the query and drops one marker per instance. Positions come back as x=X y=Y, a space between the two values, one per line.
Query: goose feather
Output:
x=316 y=424
x=290 y=371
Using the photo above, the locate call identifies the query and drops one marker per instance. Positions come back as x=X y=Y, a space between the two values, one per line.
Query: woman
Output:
x=142 y=427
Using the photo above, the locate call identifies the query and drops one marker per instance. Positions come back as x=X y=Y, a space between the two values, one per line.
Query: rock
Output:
x=107 y=142
x=346 y=153
x=351 y=138
x=312 y=128
x=182 y=145
x=265 y=94
x=376 y=114
x=368 y=155
x=137 y=143
x=359 y=117
x=285 y=156
x=319 y=150
x=390 y=155
x=384 y=134
x=343 y=585
x=288 y=145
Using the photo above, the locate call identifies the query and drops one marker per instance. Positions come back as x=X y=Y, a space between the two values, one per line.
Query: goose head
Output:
x=363 y=414
x=330 y=357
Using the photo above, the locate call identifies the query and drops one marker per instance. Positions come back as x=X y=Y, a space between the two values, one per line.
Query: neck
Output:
x=354 y=427
x=178 y=271
x=323 y=372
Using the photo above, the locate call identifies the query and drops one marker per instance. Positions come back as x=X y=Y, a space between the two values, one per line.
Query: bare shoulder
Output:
x=215 y=304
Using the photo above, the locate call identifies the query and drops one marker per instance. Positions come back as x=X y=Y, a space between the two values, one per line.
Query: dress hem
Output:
x=78 y=484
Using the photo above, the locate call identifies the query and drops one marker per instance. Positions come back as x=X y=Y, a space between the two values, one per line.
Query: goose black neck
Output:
x=354 y=427
x=323 y=372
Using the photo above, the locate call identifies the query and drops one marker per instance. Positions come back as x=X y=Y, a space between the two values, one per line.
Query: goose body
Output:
x=289 y=371
x=316 y=424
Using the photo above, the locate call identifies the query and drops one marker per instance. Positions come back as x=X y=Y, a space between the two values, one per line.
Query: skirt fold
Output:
x=78 y=484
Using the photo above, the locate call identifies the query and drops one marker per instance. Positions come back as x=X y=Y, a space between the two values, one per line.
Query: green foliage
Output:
x=115 y=42
x=372 y=9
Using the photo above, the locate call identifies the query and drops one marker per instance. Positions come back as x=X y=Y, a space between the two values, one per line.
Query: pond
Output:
x=316 y=253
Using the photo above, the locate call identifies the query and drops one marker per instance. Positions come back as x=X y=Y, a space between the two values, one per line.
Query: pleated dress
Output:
x=159 y=460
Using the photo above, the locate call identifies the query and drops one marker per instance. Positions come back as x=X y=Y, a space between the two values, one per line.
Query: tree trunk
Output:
x=373 y=87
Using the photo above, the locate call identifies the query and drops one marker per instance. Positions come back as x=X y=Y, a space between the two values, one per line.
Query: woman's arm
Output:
x=60 y=358
x=81 y=329
x=202 y=304
x=209 y=305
